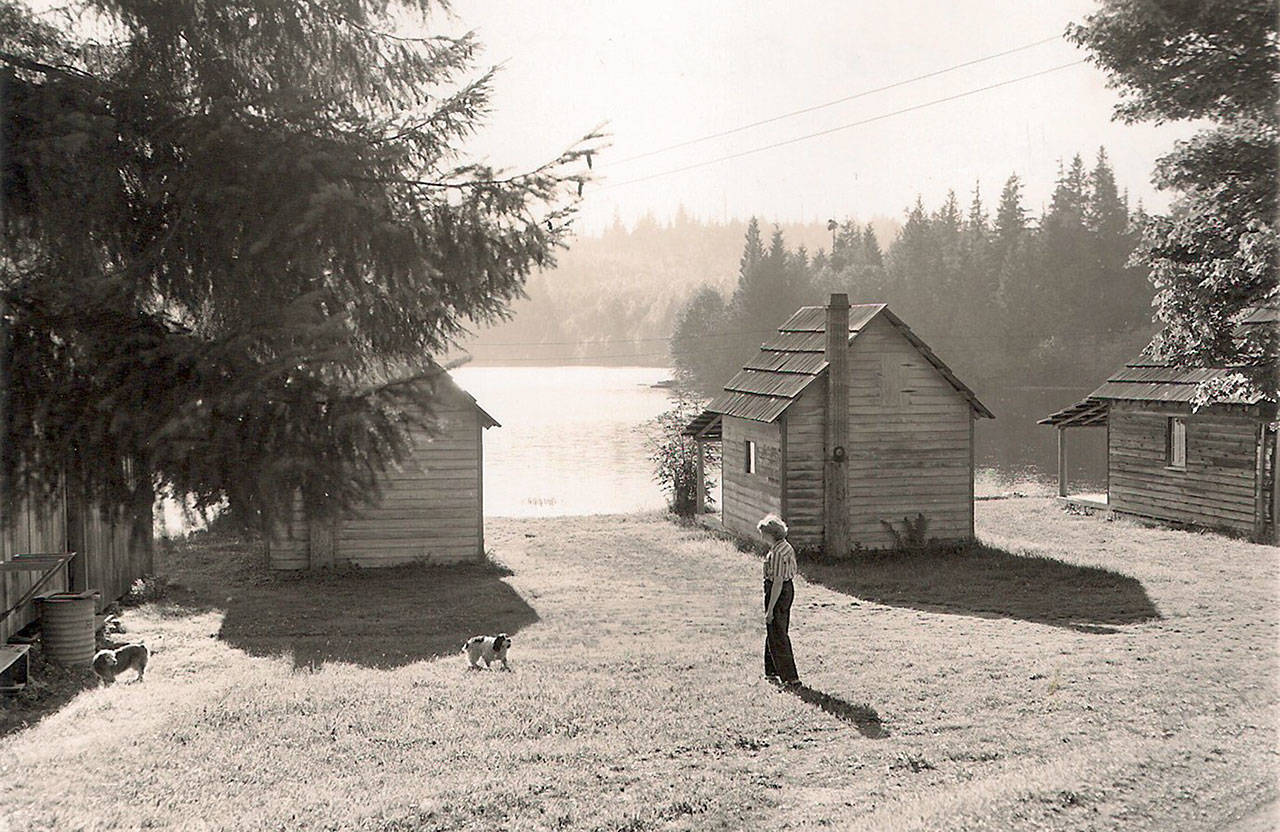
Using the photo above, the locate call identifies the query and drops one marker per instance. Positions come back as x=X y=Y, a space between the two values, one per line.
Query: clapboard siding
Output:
x=430 y=507
x=748 y=497
x=806 y=441
x=908 y=450
x=288 y=547
x=1218 y=486
x=909 y=442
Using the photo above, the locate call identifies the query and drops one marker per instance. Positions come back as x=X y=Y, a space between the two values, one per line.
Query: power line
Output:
x=833 y=103
x=621 y=340
x=848 y=126
x=595 y=357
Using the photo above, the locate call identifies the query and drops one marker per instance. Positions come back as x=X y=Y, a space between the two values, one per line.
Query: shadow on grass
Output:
x=991 y=583
x=863 y=717
x=381 y=618
x=50 y=686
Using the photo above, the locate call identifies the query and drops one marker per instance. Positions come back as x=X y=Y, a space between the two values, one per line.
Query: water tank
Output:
x=67 y=627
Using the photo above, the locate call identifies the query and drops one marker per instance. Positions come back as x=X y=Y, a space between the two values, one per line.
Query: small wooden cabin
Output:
x=890 y=438
x=431 y=507
x=1212 y=466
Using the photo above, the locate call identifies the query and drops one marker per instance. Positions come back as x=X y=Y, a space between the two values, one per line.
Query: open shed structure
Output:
x=1213 y=466
x=845 y=423
x=431 y=507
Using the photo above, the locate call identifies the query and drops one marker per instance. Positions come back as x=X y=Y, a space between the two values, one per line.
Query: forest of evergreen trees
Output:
x=1007 y=299
x=613 y=297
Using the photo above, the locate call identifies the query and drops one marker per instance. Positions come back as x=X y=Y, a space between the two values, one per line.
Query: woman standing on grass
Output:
x=779 y=570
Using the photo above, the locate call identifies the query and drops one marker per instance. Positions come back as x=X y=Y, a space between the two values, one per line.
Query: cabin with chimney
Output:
x=1174 y=458
x=430 y=509
x=848 y=426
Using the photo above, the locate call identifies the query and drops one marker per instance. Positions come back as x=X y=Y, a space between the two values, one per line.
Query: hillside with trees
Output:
x=1009 y=299
x=613 y=298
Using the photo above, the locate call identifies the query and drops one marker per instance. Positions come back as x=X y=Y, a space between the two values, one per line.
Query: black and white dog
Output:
x=488 y=649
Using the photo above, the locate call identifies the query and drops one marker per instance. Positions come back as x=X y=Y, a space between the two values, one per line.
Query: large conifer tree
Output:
x=236 y=232
x=1215 y=253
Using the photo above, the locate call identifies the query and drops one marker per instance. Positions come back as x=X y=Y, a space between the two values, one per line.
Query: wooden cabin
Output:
x=431 y=507
x=1213 y=466
x=845 y=422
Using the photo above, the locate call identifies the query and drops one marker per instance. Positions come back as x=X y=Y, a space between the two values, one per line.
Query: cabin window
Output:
x=1176 y=443
x=751 y=457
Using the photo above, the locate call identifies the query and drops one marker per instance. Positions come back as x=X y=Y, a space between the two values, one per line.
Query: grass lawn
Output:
x=1069 y=673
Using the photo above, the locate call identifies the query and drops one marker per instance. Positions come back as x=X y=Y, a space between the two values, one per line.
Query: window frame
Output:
x=750 y=449
x=1175 y=443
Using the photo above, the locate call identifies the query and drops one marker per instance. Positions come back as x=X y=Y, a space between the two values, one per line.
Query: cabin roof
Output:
x=486 y=421
x=1146 y=379
x=436 y=379
x=790 y=361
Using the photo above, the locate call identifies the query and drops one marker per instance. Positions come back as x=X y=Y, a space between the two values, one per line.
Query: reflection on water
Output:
x=572 y=439
x=1013 y=452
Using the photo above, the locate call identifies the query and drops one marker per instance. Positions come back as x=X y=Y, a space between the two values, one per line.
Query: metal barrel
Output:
x=66 y=628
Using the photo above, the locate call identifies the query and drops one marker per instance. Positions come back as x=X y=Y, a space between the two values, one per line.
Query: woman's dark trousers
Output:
x=778 y=660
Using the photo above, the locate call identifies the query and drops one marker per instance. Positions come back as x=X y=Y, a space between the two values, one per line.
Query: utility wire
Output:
x=833 y=103
x=841 y=127
x=589 y=357
x=773 y=331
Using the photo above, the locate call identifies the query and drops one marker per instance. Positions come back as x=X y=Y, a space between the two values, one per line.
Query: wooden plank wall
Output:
x=909 y=437
x=113 y=548
x=36 y=528
x=1217 y=489
x=748 y=497
x=804 y=487
x=431 y=507
x=288 y=549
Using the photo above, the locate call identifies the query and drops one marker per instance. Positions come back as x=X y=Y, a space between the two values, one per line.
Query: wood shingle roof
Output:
x=789 y=361
x=1147 y=380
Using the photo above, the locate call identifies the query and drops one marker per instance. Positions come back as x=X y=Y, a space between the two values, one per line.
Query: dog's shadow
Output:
x=862 y=717
x=380 y=618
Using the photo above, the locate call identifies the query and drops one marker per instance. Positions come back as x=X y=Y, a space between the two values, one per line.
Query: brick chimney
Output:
x=835 y=468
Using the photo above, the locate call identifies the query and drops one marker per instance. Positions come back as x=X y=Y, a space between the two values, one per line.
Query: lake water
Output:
x=573 y=440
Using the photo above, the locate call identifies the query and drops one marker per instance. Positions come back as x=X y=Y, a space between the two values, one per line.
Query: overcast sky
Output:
x=661 y=72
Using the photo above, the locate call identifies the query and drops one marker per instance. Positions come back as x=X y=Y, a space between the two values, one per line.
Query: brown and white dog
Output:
x=109 y=663
x=488 y=649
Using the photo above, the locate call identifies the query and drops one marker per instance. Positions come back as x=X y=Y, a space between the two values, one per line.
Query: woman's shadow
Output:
x=862 y=717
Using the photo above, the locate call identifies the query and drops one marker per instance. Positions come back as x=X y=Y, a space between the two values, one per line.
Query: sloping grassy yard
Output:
x=1128 y=684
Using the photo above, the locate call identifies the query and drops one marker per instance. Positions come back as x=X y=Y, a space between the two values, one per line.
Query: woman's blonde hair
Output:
x=772 y=524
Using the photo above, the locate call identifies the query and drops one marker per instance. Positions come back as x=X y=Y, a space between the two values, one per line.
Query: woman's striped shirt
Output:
x=780 y=563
